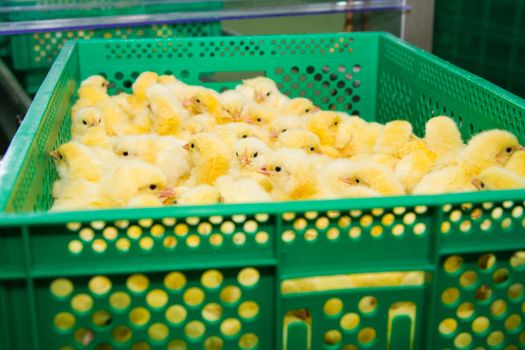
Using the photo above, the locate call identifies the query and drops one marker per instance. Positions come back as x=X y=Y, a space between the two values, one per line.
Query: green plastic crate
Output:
x=484 y=37
x=69 y=279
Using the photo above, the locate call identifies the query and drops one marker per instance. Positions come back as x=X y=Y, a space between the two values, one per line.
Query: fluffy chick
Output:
x=324 y=124
x=129 y=178
x=259 y=115
x=452 y=178
x=165 y=152
x=210 y=156
x=292 y=174
x=298 y=106
x=77 y=161
x=286 y=123
x=75 y=195
x=263 y=91
x=442 y=137
x=94 y=137
x=516 y=163
x=250 y=155
x=393 y=137
x=299 y=139
x=376 y=177
x=93 y=90
x=233 y=104
x=196 y=124
x=486 y=149
x=207 y=101
x=242 y=190
x=356 y=136
x=203 y=194
x=335 y=181
x=142 y=83
x=232 y=132
x=168 y=114
x=498 y=178
x=412 y=167
x=85 y=118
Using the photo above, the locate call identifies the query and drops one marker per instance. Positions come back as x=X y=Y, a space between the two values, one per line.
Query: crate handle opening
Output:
x=219 y=77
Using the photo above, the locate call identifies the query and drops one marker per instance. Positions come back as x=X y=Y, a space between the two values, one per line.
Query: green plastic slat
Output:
x=60 y=267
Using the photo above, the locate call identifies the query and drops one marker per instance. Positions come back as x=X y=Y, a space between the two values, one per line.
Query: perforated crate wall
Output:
x=218 y=277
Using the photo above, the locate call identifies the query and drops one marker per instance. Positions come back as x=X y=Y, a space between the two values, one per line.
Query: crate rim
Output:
x=25 y=136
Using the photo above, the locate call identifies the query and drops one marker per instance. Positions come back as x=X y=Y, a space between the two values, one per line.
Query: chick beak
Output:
x=221 y=199
x=349 y=180
x=250 y=120
x=167 y=193
x=520 y=148
x=186 y=103
x=314 y=109
x=186 y=146
x=54 y=154
x=259 y=97
x=236 y=116
x=94 y=123
x=273 y=134
x=244 y=159
x=264 y=170
x=476 y=183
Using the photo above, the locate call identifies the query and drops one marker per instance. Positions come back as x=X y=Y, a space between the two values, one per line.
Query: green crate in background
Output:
x=484 y=37
x=33 y=54
x=185 y=277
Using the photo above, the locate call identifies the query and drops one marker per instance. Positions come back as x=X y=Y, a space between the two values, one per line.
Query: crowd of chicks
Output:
x=172 y=143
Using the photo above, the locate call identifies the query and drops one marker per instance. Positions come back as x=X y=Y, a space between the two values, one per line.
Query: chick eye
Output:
x=312 y=149
x=152 y=187
x=357 y=181
x=336 y=123
x=482 y=185
x=277 y=168
x=125 y=154
x=284 y=130
x=100 y=121
x=244 y=136
x=192 y=145
x=259 y=120
x=307 y=110
x=60 y=156
x=84 y=122
x=268 y=93
x=236 y=154
x=509 y=150
x=198 y=100
x=255 y=155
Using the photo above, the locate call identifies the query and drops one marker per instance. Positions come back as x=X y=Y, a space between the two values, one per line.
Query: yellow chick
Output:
x=196 y=124
x=412 y=167
x=76 y=194
x=94 y=137
x=498 y=178
x=486 y=149
x=448 y=179
x=334 y=179
x=93 y=90
x=393 y=137
x=85 y=118
x=283 y=124
x=181 y=91
x=263 y=91
x=233 y=104
x=232 y=132
x=298 y=106
x=77 y=161
x=376 y=177
x=250 y=155
x=356 y=136
x=292 y=174
x=324 y=124
x=299 y=139
x=116 y=121
x=210 y=156
x=207 y=101
x=129 y=178
x=203 y=194
x=130 y=104
x=259 y=115
x=242 y=190
x=145 y=200
x=142 y=83
x=167 y=113
x=442 y=137
x=164 y=152
x=516 y=163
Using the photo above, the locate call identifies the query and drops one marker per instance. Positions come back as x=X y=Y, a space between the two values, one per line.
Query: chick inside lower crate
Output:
x=170 y=143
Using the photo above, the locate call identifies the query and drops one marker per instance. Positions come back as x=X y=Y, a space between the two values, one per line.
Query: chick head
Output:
x=325 y=124
x=96 y=81
x=202 y=101
x=299 y=106
x=498 y=178
x=197 y=124
x=284 y=166
x=73 y=157
x=338 y=172
x=259 y=115
x=143 y=82
x=491 y=146
x=393 y=137
x=233 y=104
x=167 y=79
x=374 y=176
x=284 y=124
x=265 y=89
x=85 y=118
x=93 y=90
x=204 y=144
x=300 y=139
x=149 y=179
x=442 y=134
x=250 y=153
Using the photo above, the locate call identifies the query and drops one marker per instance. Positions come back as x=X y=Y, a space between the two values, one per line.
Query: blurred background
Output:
x=485 y=37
